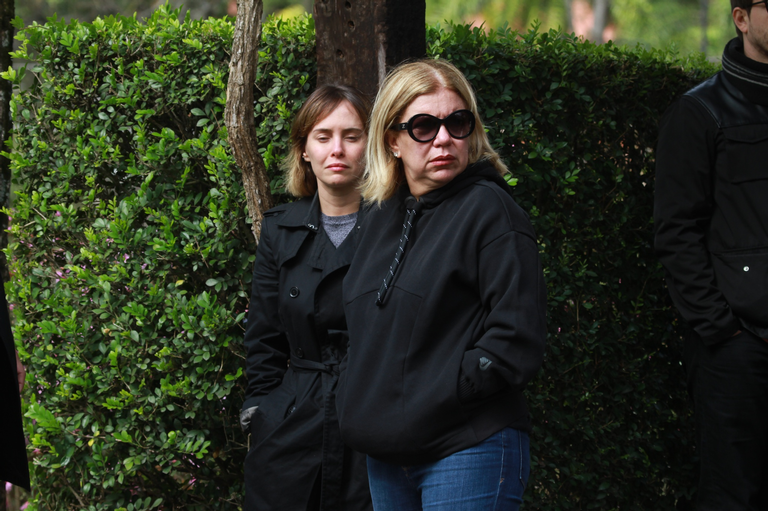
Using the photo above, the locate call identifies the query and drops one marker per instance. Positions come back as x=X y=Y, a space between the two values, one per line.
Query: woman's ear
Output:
x=391 y=139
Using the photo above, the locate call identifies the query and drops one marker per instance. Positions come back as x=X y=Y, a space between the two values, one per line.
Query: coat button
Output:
x=299 y=352
x=294 y=292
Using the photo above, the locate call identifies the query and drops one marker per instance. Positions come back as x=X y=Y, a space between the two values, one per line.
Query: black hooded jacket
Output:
x=440 y=363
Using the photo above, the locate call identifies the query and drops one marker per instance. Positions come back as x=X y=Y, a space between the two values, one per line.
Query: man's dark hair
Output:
x=747 y=6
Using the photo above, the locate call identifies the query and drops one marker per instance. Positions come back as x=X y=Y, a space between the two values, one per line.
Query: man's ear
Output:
x=741 y=19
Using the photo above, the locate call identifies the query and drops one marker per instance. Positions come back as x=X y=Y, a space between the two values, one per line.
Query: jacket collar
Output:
x=481 y=170
x=305 y=213
x=304 y=218
x=748 y=76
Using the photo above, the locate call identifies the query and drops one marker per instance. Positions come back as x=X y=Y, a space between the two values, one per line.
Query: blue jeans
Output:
x=492 y=475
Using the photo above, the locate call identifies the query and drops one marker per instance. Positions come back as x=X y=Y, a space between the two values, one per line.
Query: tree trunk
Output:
x=704 y=22
x=6 y=125
x=239 y=111
x=358 y=41
x=600 y=8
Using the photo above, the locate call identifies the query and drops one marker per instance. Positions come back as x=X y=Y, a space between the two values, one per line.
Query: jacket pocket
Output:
x=747 y=152
x=372 y=400
x=273 y=409
x=742 y=277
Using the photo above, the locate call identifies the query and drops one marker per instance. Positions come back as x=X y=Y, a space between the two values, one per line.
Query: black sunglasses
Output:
x=425 y=127
x=761 y=2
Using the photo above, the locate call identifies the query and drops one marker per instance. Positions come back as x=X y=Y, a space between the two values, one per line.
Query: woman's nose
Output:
x=338 y=146
x=442 y=136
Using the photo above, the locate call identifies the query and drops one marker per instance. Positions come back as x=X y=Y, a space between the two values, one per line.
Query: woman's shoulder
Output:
x=290 y=214
x=280 y=222
x=489 y=201
x=380 y=211
x=300 y=205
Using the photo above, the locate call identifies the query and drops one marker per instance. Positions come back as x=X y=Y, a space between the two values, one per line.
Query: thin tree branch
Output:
x=239 y=116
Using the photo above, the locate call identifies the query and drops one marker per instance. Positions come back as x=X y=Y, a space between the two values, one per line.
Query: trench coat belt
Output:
x=330 y=367
x=331 y=477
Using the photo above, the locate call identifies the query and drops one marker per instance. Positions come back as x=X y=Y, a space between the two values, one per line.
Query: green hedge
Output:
x=131 y=256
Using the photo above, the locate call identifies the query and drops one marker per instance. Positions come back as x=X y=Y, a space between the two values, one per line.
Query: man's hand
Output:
x=21 y=373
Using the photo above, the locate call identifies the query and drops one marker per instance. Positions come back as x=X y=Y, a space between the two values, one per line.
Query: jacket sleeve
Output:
x=266 y=343
x=511 y=348
x=685 y=163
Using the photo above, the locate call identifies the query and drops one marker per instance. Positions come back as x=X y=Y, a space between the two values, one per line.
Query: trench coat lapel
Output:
x=301 y=220
x=324 y=256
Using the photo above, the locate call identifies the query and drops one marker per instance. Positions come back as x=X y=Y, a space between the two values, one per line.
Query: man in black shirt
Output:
x=711 y=216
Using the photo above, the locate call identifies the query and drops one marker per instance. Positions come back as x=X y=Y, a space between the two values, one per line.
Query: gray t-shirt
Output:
x=338 y=227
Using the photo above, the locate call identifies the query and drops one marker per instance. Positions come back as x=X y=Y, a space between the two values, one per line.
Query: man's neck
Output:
x=754 y=52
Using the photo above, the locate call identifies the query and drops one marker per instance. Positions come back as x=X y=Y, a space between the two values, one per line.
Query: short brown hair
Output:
x=300 y=181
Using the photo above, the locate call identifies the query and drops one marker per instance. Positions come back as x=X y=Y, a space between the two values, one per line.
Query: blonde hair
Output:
x=300 y=181
x=384 y=173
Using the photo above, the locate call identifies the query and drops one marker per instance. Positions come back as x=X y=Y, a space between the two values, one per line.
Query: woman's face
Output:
x=431 y=165
x=335 y=148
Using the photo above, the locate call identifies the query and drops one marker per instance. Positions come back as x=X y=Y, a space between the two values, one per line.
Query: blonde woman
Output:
x=296 y=331
x=445 y=305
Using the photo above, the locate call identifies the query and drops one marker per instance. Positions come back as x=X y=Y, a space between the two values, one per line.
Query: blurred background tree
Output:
x=690 y=25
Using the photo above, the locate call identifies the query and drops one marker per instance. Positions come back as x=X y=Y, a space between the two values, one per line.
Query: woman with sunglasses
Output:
x=296 y=331
x=445 y=305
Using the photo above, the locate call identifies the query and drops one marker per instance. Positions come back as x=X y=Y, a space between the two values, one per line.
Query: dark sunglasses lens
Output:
x=424 y=127
x=459 y=124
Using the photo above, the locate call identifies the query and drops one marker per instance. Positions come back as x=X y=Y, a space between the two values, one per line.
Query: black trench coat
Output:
x=13 y=453
x=295 y=338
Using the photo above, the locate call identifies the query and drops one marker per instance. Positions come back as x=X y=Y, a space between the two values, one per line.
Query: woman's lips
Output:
x=443 y=159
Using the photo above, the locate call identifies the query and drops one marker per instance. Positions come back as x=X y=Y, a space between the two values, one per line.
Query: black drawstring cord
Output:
x=412 y=209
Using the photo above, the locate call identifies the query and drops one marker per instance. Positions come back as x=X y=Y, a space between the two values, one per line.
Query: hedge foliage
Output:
x=131 y=256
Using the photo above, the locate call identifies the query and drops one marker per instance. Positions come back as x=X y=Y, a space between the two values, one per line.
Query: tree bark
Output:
x=7 y=9
x=358 y=41
x=238 y=115
x=600 y=9
x=704 y=23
